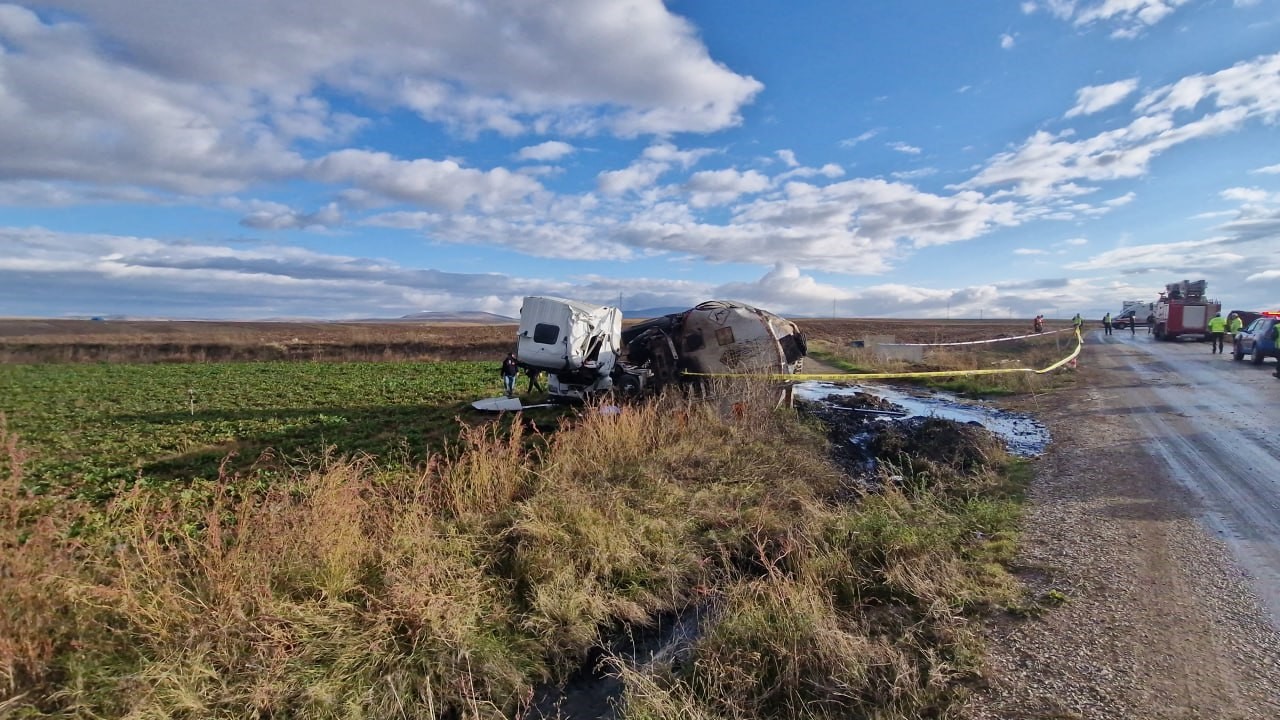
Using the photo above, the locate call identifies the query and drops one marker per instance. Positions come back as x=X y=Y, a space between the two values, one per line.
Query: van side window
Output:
x=546 y=334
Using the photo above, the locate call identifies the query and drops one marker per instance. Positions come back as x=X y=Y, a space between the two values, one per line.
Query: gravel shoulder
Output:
x=1151 y=515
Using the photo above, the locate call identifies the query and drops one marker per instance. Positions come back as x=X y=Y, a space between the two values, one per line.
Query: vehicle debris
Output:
x=585 y=351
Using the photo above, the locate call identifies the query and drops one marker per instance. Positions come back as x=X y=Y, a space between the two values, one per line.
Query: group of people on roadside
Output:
x=1220 y=328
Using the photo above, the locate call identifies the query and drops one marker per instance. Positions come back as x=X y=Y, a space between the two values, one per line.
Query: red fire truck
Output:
x=1184 y=310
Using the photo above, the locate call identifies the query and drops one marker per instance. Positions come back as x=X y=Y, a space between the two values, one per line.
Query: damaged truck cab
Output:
x=585 y=351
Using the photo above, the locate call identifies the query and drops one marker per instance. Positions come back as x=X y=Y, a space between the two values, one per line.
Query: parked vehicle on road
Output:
x=1134 y=312
x=1184 y=310
x=1258 y=340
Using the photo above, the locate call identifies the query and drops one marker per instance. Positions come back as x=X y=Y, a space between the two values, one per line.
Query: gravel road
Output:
x=1157 y=514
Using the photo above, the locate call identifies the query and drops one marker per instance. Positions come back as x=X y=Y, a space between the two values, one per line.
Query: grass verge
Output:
x=454 y=588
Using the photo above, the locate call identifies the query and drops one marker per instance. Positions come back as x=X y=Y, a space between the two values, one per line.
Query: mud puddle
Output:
x=595 y=691
x=1021 y=434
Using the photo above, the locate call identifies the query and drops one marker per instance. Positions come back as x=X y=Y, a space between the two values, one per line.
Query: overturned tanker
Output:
x=585 y=351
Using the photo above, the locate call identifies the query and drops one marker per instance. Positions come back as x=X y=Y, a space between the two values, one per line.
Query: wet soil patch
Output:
x=594 y=691
x=889 y=428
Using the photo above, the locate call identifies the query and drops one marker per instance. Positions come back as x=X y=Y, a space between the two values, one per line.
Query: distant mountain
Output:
x=460 y=316
x=652 y=312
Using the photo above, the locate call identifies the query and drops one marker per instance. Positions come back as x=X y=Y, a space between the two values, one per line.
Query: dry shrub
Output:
x=338 y=591
x=33 y=615
x=345 y=590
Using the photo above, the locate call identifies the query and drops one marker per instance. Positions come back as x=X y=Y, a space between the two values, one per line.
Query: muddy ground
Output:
x=1156 y=514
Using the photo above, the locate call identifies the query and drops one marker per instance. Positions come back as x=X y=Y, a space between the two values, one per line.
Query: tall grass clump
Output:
x=870 y=614
x=458 y=588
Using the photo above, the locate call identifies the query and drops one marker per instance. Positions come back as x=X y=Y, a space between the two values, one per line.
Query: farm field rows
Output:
x=91 y=427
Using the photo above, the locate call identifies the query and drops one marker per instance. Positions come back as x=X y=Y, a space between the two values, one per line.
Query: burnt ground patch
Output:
x=869 y=434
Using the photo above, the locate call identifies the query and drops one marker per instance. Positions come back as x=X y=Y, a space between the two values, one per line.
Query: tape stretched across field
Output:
x=844 y=377
x=978 y=342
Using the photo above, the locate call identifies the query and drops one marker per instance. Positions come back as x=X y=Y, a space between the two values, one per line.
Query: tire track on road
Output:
x=1220 y=452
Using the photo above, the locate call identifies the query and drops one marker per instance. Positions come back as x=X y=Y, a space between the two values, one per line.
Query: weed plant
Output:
x=455 y=587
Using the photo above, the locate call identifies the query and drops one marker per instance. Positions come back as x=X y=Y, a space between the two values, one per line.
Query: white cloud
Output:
x=1246 y=195
x=542 y=152
x=719 y=187
x=1245 y=3
x=913 y=174
x=274 y=216
x=1076 y=242
x=904 y=148
x=1030 y=251
x=1253 y=85
x=438 y=184
x=1096 y=98
x=1244 y=250
x=855 y=226
x=637 y=176
x=107 y=274
x=209 y=99
x=1268 y=170
x=787 y=290
x=1126 y=18
x=655 y=161
x=830 y=170
x=784 y=289
x=788 y=158
x=850 y=142
x=1006 y=41
x=1048 y=166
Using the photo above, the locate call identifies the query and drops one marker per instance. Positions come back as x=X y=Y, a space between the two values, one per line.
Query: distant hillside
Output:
x=653 y=312
x=461 y=316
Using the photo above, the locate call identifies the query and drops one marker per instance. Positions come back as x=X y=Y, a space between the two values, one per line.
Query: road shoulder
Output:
x=1158 y=621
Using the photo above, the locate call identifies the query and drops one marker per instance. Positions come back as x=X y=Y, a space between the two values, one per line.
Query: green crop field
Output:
x=90 y=429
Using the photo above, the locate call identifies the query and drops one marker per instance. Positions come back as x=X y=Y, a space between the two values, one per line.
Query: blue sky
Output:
x=276 y=158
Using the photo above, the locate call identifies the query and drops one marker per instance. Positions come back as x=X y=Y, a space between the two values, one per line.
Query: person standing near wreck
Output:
x=535 y=381
x=510 y=369
x=1106 y=324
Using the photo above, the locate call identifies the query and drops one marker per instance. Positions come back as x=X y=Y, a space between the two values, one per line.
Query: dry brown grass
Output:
x=451 y=591
x=31 y=341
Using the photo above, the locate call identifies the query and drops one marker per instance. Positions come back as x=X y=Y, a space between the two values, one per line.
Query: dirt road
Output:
x=1157 y=515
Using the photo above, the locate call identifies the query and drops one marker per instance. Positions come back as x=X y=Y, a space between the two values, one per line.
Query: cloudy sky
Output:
x=925 y=158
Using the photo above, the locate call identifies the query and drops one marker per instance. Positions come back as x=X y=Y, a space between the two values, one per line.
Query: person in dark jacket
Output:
x=535 y=385
x=510 y=369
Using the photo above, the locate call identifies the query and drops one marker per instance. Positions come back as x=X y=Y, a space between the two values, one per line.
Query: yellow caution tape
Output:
x=845 y=377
